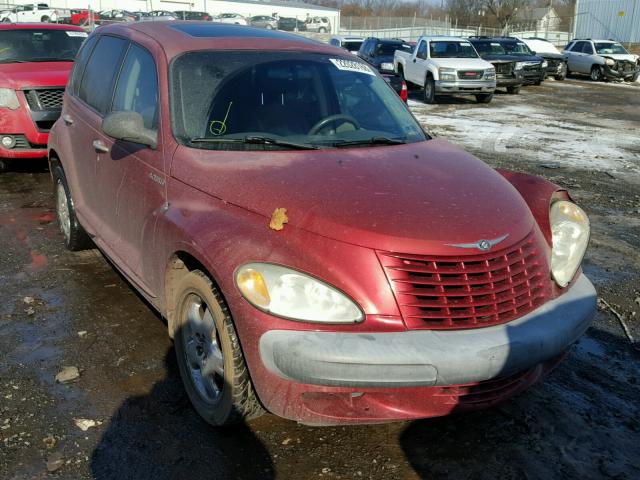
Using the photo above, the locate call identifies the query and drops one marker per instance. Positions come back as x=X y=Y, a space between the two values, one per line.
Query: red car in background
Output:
x=83 y=17
x=35 y=61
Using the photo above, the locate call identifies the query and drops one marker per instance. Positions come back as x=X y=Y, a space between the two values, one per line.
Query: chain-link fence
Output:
x=411 y=28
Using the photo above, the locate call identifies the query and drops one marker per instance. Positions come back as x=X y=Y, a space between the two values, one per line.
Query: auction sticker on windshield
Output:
x=351 y=66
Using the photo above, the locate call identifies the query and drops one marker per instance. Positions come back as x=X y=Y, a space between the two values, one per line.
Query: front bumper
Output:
x=20 y=123
x=470 y=87
x=427 y=358
x=508 y=81
x=613 y=74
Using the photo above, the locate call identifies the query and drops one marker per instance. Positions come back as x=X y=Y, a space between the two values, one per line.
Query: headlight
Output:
x=519 y=66
x=294 y=295
x=447 y=74
x=545 y=64
x=9 y=99
x=386 y=66
x=609 y=62
x=490 y=73
x=570 y=235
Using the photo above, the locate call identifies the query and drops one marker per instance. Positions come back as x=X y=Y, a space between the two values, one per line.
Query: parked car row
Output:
x=395 y=277
x=478 y=65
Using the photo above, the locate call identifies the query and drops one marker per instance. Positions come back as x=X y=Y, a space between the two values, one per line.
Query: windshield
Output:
x=603 y=48
x=489 y=48
x=225 y=100
x=452 y=49
x=46 y=45
x=352 y=46
x=516 y=48
x=388 y=49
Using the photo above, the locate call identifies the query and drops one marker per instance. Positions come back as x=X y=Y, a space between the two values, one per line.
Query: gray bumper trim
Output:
x=431 y=357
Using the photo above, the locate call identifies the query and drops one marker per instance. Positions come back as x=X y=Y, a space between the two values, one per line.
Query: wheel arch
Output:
x=180 y=264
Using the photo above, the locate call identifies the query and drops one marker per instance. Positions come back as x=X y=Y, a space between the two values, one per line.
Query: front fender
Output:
x=538 y=193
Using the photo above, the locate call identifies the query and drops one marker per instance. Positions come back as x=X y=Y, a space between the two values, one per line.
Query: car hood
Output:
x=411 y=198
x=620 y=56
x=501 y=58
x=36 y=74
x=551 y=55
x=461 y=63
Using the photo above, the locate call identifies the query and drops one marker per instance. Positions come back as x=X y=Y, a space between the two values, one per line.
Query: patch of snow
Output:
x=536 y=133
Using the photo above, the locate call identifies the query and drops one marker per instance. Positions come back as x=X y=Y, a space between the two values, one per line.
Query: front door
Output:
x=141 y=196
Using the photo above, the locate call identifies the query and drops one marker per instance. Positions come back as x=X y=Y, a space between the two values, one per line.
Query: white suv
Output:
x=601 y=60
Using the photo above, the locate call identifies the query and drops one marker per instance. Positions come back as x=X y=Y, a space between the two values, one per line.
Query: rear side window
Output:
x=100 y=74
x=587 y=48
x=137 y=89
x=80 y=63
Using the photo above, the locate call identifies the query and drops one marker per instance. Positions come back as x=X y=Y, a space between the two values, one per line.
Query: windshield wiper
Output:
x=370 y=141
x=256 y=140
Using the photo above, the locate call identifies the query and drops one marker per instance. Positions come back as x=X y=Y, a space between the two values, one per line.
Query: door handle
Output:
x=67 y=119
x=100 y=147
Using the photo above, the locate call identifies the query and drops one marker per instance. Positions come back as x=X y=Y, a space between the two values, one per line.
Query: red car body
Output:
x=82 y=17
x=351 y=211
x=28 y=123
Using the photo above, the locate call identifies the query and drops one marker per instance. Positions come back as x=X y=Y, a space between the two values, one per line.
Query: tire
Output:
x=75 y=237
x=429 y=90
x=45 y=19
x=564 y=71
x=596 y=73
x=269 y=27
x=513 y=90
x=484 y=97
x=6 y=20
x=322 y=30
x=204 y=332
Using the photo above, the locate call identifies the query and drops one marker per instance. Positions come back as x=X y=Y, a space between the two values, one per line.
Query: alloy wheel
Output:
x=202 y=350
x=62 y=210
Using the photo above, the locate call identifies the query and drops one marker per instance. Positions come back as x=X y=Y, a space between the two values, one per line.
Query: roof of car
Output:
x=39 y=26
x=177 y=37
x=444 y=38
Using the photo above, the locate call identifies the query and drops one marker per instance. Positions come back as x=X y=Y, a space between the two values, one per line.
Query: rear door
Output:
x=576 y=61
x=93 y=103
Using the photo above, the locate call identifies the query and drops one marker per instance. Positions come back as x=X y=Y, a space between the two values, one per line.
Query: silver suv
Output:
x=601 y=60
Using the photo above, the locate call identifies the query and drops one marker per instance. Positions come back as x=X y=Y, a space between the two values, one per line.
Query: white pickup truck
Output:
x=446 y=65
x=35 y=12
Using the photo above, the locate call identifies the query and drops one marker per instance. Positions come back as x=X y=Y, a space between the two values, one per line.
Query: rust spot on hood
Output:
x=278 y=219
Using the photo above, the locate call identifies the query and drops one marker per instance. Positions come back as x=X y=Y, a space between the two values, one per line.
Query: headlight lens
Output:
x=519 y=66
x=609 y=62
x=9 y=99
x=545 y=64
x=570 y=235
x=447 y=74
x=490 y=73
x=386 y=66
x=294 y=295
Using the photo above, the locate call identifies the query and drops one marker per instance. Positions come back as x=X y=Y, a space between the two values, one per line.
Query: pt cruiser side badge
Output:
x=483 y=245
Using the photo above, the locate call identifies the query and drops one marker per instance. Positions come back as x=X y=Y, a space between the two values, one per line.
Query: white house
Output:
x=538 y=19
x=247 y=8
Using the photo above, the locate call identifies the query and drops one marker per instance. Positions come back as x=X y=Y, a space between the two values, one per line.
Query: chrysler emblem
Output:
x=482 y=245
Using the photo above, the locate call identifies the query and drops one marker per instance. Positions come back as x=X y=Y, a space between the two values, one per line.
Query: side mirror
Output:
x=129 y=126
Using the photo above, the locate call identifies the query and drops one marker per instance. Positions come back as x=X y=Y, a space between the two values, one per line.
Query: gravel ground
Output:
x=62 y=309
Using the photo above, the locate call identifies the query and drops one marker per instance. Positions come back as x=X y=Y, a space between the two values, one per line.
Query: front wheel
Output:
x=322 y=30
x=514 y=90
x=210 y=360
x=484 y=97
x=75 y=237
x=45 y=19
x=596 y=73
x=429 y=92
x=562 y=74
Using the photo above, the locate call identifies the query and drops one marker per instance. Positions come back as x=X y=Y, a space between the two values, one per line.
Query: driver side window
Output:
x=137 y=88
x=422 y=50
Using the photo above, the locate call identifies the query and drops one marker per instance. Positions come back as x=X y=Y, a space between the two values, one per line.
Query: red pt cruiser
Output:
x=314 y=252
x=35 y=61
